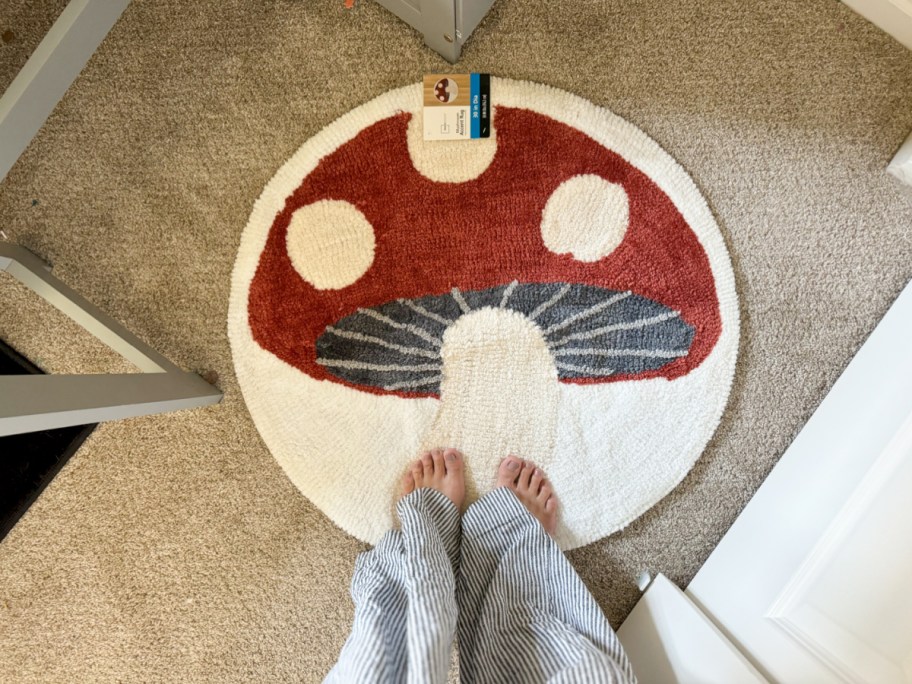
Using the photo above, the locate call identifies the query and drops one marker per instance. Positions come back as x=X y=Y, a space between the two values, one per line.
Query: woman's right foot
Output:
x=440 y=469
x=530 y=486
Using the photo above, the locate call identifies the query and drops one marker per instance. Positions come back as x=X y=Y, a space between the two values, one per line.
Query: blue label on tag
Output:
x=475 y=103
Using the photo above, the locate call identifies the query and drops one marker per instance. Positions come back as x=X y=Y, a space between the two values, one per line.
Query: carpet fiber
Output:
x=174 y=547
x=581 y=313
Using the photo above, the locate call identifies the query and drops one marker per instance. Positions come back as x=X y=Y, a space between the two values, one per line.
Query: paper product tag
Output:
x=457 y=106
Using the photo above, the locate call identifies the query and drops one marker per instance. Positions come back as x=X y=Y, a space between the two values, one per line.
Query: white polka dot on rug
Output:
x=586 y=216
x=560 y=291
x=330 y=243
x=450 y=161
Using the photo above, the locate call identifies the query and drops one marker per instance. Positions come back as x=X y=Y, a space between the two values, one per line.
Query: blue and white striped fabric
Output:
x=524 y=615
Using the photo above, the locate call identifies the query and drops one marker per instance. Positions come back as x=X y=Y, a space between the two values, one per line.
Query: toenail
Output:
x=451 y=456
x=512 y=465
x=538 y=472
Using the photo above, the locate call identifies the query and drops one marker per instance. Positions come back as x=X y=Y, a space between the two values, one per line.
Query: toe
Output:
x=545 y=491
x=418 y=474
x=408 y=483
x=525 y=476
x=550 y=520
x=427 y=465
x=508 y=471
x=437 y=458
x=536 y=482
x=453 y=461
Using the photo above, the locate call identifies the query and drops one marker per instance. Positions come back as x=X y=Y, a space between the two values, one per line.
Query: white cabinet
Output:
x=813 y=582
x=445 y=24
x=669 y=641
x=814 y=579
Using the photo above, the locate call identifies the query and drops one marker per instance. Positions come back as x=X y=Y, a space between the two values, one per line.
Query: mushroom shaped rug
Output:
x=559 y=291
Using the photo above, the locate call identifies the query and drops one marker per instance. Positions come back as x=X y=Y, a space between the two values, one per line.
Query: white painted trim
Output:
x=901 y=164
x=47 y=75
x=668 y=639
x=774 y=535
x=792 y=612
x=905 y=6
x=891 y=16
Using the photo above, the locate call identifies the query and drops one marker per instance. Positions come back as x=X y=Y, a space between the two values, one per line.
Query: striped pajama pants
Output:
x=496 y=577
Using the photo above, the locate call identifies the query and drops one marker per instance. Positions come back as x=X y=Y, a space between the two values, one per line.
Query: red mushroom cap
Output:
x=432 y=237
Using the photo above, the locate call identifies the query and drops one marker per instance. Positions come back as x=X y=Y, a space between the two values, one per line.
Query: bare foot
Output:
x=439 y=469
x=531 y=488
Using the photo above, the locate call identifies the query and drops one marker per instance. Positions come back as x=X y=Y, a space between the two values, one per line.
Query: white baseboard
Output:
x=891 y=16
x=901 y=164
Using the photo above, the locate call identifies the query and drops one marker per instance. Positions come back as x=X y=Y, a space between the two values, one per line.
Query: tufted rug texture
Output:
x=558 y=291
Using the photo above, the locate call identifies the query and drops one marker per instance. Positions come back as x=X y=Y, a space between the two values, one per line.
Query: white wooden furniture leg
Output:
x=42 y=402
x=54 y=65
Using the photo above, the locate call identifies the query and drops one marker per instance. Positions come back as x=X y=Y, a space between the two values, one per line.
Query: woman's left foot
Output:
x=440 y=469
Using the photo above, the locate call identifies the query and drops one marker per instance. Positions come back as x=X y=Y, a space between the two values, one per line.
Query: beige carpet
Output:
x=173 y=547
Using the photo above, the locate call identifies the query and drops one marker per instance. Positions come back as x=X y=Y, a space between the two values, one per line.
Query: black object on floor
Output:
x=28 y=462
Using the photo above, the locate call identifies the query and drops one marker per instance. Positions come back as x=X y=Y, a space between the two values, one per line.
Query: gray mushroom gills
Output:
x=495 y=358
x=592 y=332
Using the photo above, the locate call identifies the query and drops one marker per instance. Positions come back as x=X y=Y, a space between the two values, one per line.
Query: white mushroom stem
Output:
x=499 y=393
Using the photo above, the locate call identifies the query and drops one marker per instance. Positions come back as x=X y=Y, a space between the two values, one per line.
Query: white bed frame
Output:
x=47 y=75
x=42 y=402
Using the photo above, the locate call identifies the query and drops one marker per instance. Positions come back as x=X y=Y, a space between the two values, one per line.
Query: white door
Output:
x=813 y=582
x=892 y=16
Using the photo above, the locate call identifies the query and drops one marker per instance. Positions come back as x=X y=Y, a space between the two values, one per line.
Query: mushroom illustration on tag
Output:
x=559 y=291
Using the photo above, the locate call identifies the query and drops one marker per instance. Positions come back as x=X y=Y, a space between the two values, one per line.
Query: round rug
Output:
x=559 y=291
